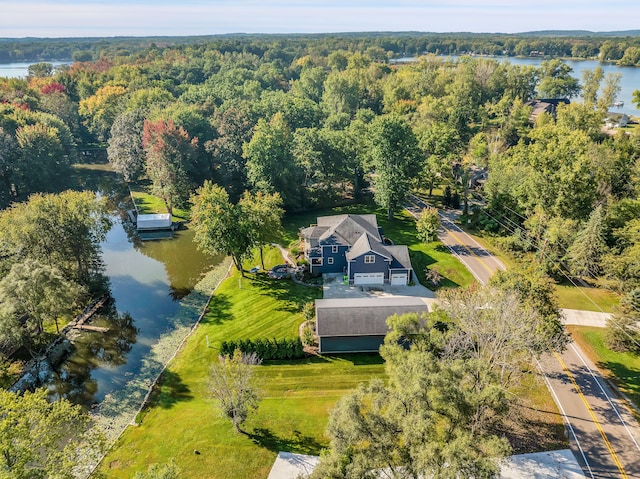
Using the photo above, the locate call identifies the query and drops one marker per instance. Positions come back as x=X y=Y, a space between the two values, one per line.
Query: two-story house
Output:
x=353 y=245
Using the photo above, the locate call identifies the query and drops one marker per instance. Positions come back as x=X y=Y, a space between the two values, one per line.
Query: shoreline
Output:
x=120 y=409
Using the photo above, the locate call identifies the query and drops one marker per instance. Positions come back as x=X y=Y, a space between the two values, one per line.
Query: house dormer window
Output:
x=334 y=248
x=369 y=259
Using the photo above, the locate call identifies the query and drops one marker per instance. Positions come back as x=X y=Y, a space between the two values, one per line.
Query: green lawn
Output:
x=569 y=296
x=578 y=297
x=622 y=368
x=150 y=204
x=401 y=230
x=297 y=394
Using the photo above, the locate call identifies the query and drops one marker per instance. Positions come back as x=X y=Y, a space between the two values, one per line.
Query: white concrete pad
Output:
x=540 y=465
x=585 y=318
x=543 y=465
x=290 y=466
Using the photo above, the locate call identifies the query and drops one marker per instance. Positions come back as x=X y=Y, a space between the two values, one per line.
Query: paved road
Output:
x=480 y=262
x=604 y=436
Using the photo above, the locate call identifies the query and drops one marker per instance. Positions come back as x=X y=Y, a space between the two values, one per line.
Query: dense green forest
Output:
x=321 y=125
x=321 y=120
x=620 y=47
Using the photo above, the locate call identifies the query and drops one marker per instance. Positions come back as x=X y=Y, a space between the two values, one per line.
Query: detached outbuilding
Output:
x=154 y=222
x=358 y=325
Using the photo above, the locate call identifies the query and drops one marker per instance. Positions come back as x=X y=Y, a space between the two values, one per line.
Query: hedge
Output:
x=265 y=348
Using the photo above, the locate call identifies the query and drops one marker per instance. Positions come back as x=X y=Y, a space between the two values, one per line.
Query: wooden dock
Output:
x=88 y=327
x=79 y=322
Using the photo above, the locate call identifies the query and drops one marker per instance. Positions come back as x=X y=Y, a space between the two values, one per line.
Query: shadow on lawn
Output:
x=219 y=309
x=298 y=443
x=625 y=377
x=290 y=296
x=171 y=390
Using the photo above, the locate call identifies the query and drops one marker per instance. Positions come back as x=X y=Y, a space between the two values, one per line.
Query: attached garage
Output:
x=400 y=279
x=368 y=278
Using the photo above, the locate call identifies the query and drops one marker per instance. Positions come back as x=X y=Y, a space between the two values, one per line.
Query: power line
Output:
x=562 y=266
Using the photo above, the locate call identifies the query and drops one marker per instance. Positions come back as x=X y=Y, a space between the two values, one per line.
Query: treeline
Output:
x=318 y=127
x=619 y=47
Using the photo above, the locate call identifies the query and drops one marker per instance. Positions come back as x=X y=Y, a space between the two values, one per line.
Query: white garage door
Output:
x=399 y=279
x=368 y=278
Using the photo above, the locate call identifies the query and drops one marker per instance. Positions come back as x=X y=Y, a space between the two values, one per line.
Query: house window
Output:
x=329 y=260
x=334 y=249
x=316 y=261
x=369 y=258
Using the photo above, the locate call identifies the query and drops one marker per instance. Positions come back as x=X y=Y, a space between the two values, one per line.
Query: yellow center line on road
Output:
x=593 y=417
x=467 y=248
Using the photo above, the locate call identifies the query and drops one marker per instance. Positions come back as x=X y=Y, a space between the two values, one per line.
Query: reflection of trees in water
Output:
x=92 y=350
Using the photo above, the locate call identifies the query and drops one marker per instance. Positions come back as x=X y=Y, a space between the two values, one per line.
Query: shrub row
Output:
x=265 y=348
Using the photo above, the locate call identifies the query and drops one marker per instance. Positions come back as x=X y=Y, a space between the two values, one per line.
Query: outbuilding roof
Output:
x=154 y=221
x=364 y=316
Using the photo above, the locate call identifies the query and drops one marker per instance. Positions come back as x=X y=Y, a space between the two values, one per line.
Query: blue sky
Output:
x=74 y=18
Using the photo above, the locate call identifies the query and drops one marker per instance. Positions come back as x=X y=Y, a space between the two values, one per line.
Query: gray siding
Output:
x=350 y=344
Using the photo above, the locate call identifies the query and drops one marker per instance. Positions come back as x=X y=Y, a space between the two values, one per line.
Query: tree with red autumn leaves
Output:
x=170 y=153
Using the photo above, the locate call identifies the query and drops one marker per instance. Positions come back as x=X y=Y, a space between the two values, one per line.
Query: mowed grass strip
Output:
x=297 y=394
x=621 y=368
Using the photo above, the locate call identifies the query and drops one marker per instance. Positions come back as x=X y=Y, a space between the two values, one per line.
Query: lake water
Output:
x=629 y=81
x=147 y=281
x=21 y=69
x=629 y=76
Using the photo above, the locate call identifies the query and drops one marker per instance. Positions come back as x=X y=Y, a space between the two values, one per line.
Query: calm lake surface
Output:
x=629 y=81
x=147 y=279
x=21 y=69
x=629 y=76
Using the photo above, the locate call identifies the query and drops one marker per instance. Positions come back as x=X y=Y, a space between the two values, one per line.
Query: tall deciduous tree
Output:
x=392 y=151
x=40 y=291
x=63 y=230
x=41 y=439
x=170 y=153
x=271 y=166
x=233 y=386
x=125 y=150
x=264 y=215
x=428 y=224
x=556 y=80
x=233 y=127
x=432 y=419
x=42 y=163
x=220 y=226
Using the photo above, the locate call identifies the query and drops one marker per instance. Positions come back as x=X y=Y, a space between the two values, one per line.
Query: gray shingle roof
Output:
x=346 y=229
x=364 y=316
x=400 y=254
x=313 y=231
x=365 y=244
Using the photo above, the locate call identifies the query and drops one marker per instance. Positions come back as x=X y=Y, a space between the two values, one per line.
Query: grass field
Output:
x=588 y=299
x=297 y=394
x=150 y=204
x=621 y=368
